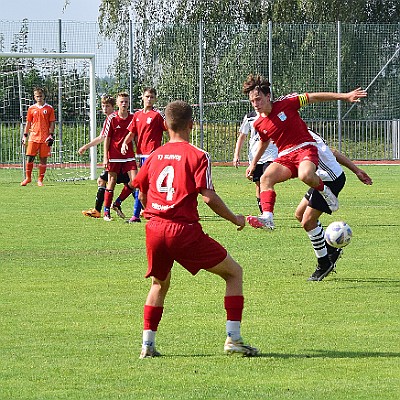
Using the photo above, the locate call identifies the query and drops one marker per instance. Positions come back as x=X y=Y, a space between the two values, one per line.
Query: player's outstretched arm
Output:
x=216 y=204
x=361 y=174
x=351 y=97
x=99 y=139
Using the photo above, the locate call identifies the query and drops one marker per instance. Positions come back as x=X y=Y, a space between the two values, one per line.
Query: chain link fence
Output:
x=206 y=66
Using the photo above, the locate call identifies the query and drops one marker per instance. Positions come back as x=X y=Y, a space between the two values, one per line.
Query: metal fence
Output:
x=206 y=66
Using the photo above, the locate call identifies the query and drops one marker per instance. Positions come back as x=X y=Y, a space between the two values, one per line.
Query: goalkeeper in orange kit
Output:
x=39 y=133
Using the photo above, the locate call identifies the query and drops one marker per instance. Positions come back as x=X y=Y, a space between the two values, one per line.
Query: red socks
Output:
x=125 y=193
x=234 y=307
x=267 y=200
x=152 y=317
x=108 y=196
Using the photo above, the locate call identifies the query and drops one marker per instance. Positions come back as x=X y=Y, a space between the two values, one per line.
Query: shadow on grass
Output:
x=311 y=354
x=389 y=281
x=334 y=354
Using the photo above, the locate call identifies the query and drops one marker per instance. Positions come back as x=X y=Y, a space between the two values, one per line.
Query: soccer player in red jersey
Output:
x=115 y=162
x=146 y=129
x=107 y=107
x=169 y=182
x=280 y=122
x=40 y=124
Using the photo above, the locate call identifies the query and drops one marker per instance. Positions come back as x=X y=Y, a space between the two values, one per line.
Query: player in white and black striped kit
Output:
x=313 y=204
x=271 y=152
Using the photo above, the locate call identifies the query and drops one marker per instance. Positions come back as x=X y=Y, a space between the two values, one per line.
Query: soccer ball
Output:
x=338 y=234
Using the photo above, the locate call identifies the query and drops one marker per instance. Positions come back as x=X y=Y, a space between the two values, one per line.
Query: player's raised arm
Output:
x=351 y=97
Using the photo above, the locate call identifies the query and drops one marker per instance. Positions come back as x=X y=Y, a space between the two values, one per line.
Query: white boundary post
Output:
x=92 y=96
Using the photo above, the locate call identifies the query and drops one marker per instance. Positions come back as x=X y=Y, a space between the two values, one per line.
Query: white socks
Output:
x=233 y=330
x=149 y=338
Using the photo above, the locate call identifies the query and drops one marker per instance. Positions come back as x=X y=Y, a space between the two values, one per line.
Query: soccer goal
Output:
x=69 y=83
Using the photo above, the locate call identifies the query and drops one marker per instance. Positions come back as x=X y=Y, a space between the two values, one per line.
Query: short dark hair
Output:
x=150 y=90
x=39 y=89
x=258 y=83
x=178 y=114
x=107 y=99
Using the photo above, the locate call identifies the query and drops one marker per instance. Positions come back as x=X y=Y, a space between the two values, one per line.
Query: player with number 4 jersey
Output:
x=169 y=182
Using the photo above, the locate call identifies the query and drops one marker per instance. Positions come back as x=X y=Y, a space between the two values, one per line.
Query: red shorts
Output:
x=34 y=148
x=293 y=159
x=185 y=243
x=122 y=167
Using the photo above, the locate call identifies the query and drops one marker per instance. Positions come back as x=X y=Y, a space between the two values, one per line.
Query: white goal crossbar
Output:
x=92 y=97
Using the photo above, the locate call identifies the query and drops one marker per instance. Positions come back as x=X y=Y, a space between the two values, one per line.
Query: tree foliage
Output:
x=247 y=11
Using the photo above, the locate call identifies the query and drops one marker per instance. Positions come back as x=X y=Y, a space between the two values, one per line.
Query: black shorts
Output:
x=316 y=201
x=121 y=178
x=260 y=168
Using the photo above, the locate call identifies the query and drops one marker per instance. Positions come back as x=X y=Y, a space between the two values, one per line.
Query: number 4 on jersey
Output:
x=165 y=182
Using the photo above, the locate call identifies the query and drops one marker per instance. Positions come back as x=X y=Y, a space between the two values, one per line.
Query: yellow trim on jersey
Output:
x=303 y=99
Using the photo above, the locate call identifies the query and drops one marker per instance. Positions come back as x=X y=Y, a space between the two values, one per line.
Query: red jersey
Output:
x=40 y=118
x=172 y=178
x=283 y=125
x=148 y=128
x=116 y=128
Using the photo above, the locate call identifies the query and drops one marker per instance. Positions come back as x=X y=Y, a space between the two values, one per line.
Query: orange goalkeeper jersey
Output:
x=40 y=118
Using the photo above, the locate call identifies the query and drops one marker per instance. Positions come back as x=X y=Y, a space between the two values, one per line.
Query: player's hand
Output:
x=50 y=140
x=249 y=172
x=105 y=163
x=23 y=140
x=364 y=177
x=82 y=150
x=240 y=221
x=236 y=162
x=124 y=148
x=355 y=95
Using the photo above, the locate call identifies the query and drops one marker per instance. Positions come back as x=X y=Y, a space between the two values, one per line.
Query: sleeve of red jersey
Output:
x=132 y=126
x=106 y=127
x=162 y=122
x=202 y=174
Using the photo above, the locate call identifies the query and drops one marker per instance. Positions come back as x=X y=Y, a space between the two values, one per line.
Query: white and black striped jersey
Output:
x=328 y=167
x=271 y=152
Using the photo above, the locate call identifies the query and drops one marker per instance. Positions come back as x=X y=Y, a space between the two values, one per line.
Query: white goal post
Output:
x=92 y=91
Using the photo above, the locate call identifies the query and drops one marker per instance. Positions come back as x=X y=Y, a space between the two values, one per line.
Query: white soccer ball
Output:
x=338 y=234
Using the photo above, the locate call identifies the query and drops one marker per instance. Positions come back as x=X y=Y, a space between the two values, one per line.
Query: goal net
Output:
x=69 y=83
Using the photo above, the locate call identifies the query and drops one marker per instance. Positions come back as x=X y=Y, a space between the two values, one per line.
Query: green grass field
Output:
x=72 y=293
